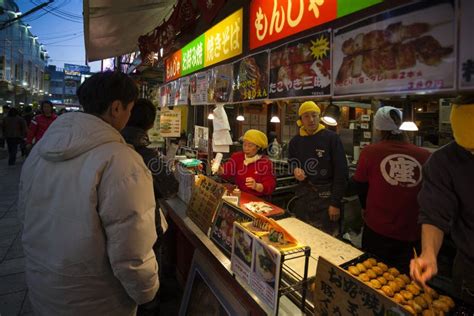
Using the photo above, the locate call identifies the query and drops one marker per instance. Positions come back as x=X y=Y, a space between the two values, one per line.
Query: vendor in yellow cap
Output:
x=249 y=169
x=447 y=204
x=316 y=157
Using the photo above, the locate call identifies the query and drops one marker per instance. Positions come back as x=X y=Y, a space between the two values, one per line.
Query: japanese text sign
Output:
x=224 y=40
x=301 y=68
x=250 y=80
x=193 y=56
x=272 y=20
x=173 y=66
x=409 y=48
x=339 y=293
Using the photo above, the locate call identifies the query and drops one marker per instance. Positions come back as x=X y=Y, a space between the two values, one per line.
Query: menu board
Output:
x=250 y=78
x=338 y=293
x=222 y=228
x=220 y=89
x=181 y=91
x=411 y=48
x=170 y=123
x=206 y=196
x=257 y=264
x=466 y=48
x=302 y=67
x=199 y=85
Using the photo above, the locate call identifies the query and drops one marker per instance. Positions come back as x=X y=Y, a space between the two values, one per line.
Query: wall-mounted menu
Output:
x=410 y=48
x=170 y=123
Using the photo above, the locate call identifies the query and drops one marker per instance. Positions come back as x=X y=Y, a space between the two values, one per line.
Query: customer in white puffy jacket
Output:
x=88 y=207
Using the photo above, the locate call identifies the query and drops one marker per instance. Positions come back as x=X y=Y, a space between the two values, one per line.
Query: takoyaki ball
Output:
x=416 y=307
x=367 y=264
x=388 y=276
x=377 y=270
x=413 y=289
x=449 y=301
x=382 y=266
x=361 y=267
x=387 y=290
x=398 y=298
x=405 y=278
x=394 y=272
x=394 y=286
x=400 y=282
x=427 y=298
x=406 y=295
x=375 y=284
x=353 y=270
x=371 y=274
x=364 y=277
x=382 y=280
x=439 y=304
x=421 y=301
x=372 y=261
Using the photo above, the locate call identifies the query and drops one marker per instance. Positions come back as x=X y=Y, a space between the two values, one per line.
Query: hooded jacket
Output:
x=87 y=205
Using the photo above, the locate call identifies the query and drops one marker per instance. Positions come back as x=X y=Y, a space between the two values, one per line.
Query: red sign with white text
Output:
x=271 y=20
x=173 y=66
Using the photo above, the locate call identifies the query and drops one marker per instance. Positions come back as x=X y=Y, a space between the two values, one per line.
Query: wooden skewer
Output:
x=417 y=265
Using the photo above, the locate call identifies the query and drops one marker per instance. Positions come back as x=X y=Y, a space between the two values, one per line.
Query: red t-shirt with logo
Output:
x=393 y=170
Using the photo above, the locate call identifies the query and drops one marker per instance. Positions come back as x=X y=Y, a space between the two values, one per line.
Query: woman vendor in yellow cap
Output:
x=447 y=206
x=251 y=171
x=316 y=157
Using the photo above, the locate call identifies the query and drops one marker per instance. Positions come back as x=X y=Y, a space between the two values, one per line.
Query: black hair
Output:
x=13 y=112
x=101 y=89
x=44 y=102
x=143 y=114
x=388 y=135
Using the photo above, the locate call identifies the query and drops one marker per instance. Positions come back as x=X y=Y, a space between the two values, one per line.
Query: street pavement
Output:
x=13 y=290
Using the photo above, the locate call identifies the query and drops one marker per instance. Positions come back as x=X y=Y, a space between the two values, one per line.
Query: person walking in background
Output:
x=87 y=206
x=40 y=123
x=391 y=169
x=14 y=131
x=4 y=114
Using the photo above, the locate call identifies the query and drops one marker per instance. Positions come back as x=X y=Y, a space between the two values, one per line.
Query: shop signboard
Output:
x=170 y=123
x=301 y=68
x=250 y=78
x=408 y=49
x=220 y=89
x=466 y=48
x=274 y=20
x=199 y=86
x=221 y=42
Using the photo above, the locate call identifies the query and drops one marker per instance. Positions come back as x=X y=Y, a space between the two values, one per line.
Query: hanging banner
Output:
x=411 y=48
x=193 y=56
x=274 y=20
x=466 y=49
x=199 y=85
x=170 y=123
x=182 y=91
x=220 y=89
x=224 y=40
x=301 y=68
x=173 y=66
x=250 y=78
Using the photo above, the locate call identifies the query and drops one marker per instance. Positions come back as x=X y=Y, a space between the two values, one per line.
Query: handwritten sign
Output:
x=338 y=293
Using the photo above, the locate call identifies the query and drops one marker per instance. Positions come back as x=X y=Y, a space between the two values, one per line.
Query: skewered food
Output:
x=387 y=290
x=382 y=280
x=361 y=267
x=382 y=266
x=364 y=277
x=353 y=270
x=394 y=272
x=375 y=284
x=388 y=276
x=377 y=270
x=371 y=274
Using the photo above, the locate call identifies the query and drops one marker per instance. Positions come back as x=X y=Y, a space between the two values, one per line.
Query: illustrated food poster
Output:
x=199 y=85
x=411 y=48
x=221 y=83
x=466 y=47
x=302 y=67
x=170 y=123
x=181 y=91
x=250 y=78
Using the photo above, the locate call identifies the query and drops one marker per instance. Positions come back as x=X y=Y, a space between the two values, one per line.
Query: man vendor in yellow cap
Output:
x=250 y=170
x=447 y=204
x=318 y=161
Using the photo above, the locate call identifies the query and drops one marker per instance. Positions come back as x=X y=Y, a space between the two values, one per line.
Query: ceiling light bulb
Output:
x=210 y=116
x=240 y=118
x=409 y=126
x=275 y=119
x=329 y=121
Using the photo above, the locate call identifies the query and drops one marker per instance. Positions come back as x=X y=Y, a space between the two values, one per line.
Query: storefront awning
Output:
x=112 y=27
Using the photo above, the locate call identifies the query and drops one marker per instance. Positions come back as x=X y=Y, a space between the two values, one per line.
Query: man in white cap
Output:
x=392 y=170
x=447 y=204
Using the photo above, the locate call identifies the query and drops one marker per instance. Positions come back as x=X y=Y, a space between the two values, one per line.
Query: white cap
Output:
x=383 y=121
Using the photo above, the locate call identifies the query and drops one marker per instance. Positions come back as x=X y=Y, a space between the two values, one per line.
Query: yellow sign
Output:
x=224 y=40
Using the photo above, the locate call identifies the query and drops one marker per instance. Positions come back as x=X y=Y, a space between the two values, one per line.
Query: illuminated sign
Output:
x=221 y=42
x=272 y=20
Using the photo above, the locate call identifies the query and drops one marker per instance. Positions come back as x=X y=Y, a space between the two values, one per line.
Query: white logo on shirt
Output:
x=399 y=169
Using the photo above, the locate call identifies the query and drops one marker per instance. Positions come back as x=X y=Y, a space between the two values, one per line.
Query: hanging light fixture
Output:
x=275 y=118
x=331 y=115
x=240 y=117
x=408 y=124
x=210 y=116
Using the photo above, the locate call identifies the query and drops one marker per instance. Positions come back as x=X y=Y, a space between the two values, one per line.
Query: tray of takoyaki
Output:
x=400 y=288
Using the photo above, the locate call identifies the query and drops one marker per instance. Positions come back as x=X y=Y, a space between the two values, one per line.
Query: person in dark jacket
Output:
x=317 y=159
x=447 y=204
x=165 y=184
x=14 y=131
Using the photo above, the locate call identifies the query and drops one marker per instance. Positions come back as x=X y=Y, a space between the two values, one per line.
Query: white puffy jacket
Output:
x=87 y=204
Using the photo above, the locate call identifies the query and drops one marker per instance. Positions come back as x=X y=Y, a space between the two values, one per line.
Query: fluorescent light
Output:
x=50 y=95
x=329 y=121
x=8 y=101
x=409 y=126
x=21 y=103
x=25 y=83
x=161 y=52
x=275 y=119
x=240 y=118
x=210 y=116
